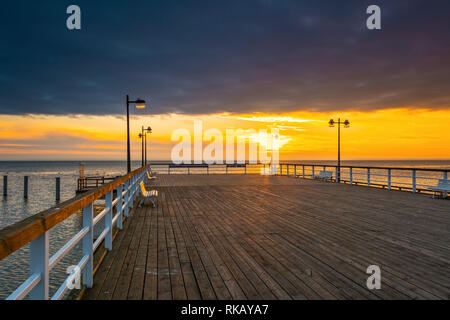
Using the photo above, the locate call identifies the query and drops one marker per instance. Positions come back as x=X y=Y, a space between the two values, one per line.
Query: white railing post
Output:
x=295 y=171
x=108 y=220
x=127 y=197
x=39 y=264
x=313 y=171
x=88 y=241
x=132 y=190
x=368 y=177
x=303 y=171
x=245 y=168
x=119 y=207
x=389 y=179
x=351 y=175
x=130 y=197
x=414 y=180
x=337 y=174
x=136 y=186
x=445 y=175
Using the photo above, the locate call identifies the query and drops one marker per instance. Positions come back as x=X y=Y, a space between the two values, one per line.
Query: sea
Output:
x=42 y=175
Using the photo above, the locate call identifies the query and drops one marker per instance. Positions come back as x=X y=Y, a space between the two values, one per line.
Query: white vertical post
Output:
x=337 y=174
x=130 y=197
x=245 y=168
x=264 y=168
x=368 y=177
x=389 y=179
x=445 y=175
x=351 y=175
x=414 y=180
x=137 y=180
x=108 y=220
x=303 y=171
x=295 y=171
x=287 y=170
x=313 y=171
x=119 y=207
x=127 y=197
x=39 y=264
x=88 y=241
x=132 y=190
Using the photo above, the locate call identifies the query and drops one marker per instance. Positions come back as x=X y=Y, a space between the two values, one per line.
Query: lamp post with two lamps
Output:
x=346 y=124
x=143 y=136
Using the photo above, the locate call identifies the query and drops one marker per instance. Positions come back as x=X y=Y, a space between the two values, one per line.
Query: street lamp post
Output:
x=145 y=148
x=148 y=130
x=140 y=104
x=143 y=136
x=346 y=124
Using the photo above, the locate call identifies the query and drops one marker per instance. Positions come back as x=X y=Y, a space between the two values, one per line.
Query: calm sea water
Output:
x=42 y=174
x=41 y=195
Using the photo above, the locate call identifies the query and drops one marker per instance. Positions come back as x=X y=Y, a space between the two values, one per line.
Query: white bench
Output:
x=152 y=195
x=149 y=177
x=443 y=188
x=324 y=175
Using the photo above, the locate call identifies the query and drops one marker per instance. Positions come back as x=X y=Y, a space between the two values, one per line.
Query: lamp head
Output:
x=346 y=123
x=331 y=123
x=140 y=104
x=140 y=135
x=149 y=129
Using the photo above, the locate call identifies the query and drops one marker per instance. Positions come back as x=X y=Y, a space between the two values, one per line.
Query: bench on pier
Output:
x=189 y=166
x=152 y=195
x=443 y=188
x=324 y=175
x=150 y=177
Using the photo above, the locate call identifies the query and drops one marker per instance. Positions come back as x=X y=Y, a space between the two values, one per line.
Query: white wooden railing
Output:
x=399 y=178
x=35 y=230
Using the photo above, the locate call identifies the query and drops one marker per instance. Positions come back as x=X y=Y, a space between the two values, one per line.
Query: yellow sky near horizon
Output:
x=383 y=134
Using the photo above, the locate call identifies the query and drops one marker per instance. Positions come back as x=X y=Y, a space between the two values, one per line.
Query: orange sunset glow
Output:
x=382 y=134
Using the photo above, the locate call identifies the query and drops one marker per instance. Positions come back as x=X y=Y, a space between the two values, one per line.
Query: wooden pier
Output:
x=277 y=237
x=86 y=184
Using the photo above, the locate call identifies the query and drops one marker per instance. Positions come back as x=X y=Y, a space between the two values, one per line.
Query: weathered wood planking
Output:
x=261 y=237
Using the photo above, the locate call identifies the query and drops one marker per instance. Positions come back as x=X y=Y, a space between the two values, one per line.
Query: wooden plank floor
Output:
x=260 y=237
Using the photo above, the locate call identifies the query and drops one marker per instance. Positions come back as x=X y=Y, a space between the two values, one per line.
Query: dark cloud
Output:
x=210 y=56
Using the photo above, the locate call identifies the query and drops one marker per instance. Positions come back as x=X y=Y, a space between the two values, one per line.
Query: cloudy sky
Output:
x=216 y=59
